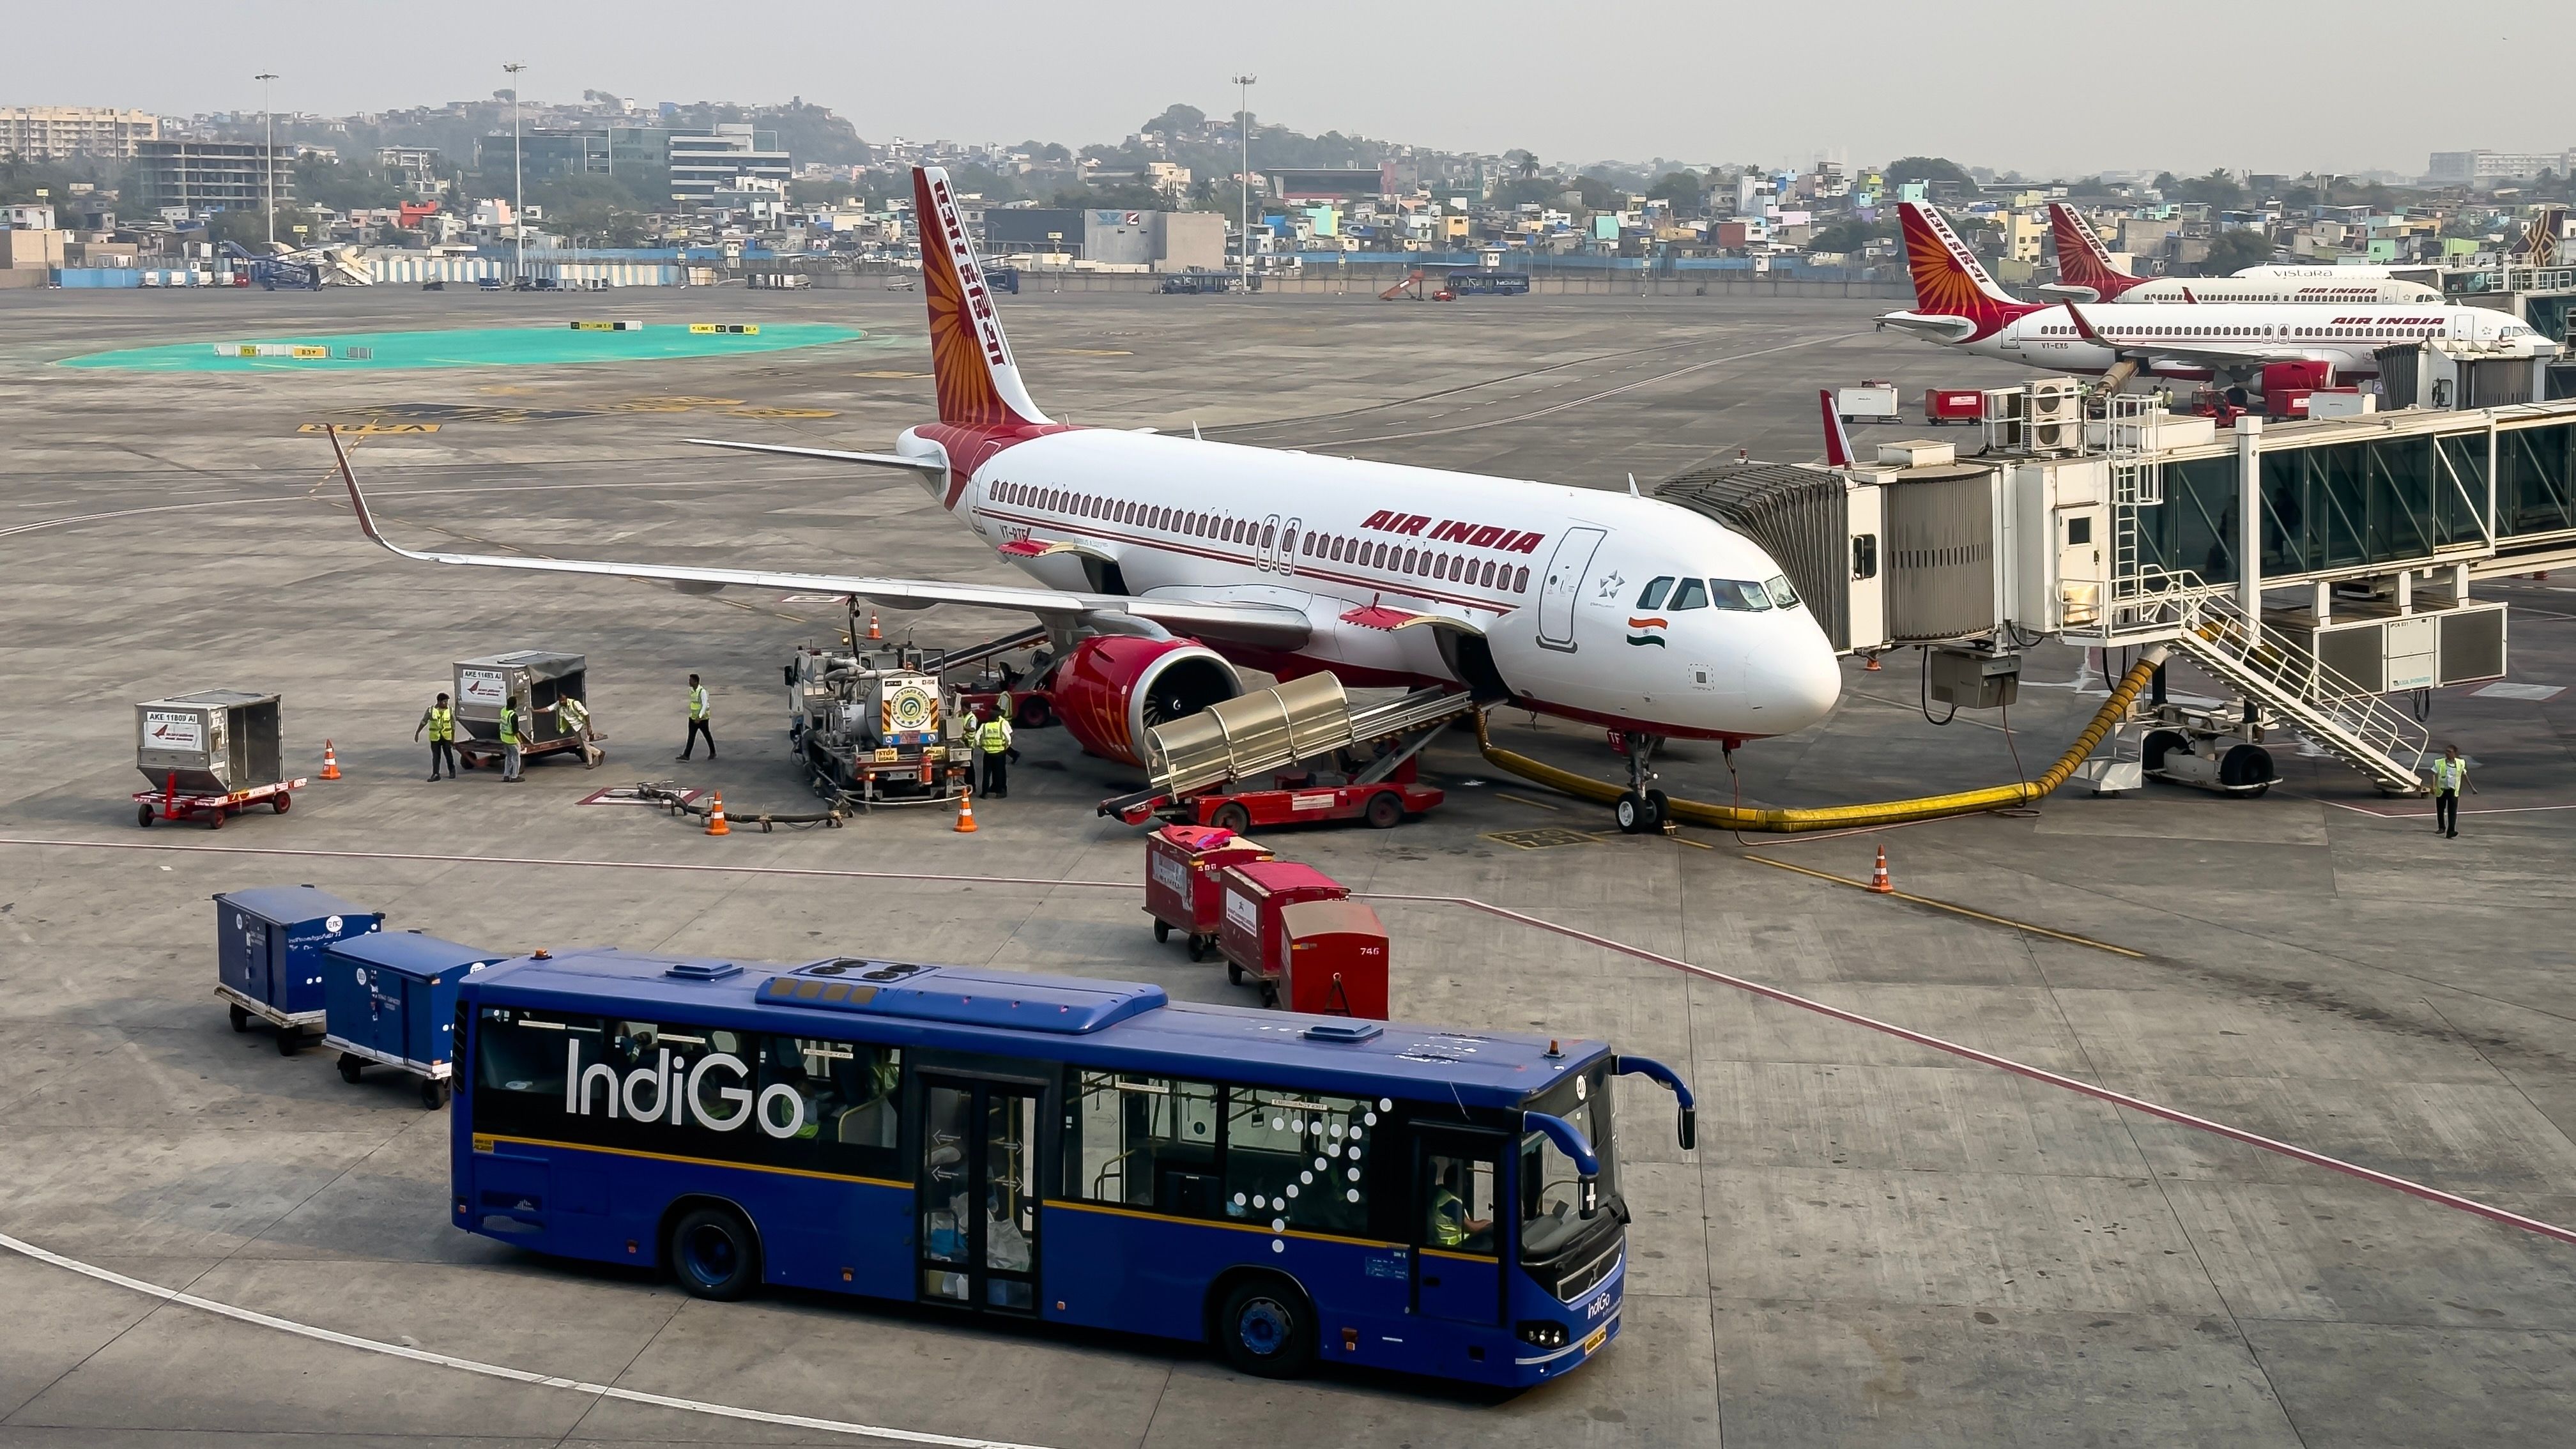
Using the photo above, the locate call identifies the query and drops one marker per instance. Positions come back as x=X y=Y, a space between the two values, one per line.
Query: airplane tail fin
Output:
x=1838 y=451
x=2081 y=257
x=970 y=361
x=2540 y=243
x=1948 y=279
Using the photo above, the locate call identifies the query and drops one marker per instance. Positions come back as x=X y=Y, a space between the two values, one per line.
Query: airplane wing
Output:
x=1927 y=325
x=2070 y=291
x=1269 y=625
x=880 y=460
x=2173 y=349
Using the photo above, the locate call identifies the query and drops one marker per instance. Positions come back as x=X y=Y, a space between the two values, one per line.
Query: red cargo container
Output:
x=1335 y=958
x=1953 y=405
x=1181 y=865
x=1248 y=933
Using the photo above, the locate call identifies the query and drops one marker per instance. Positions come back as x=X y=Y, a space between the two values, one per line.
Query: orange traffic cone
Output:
x=330 y=762
x=715 y=818
x=873 y=631
x=1878 y=880
x=966 y=811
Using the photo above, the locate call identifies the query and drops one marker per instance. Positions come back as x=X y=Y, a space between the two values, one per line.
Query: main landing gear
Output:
x=1641 y=811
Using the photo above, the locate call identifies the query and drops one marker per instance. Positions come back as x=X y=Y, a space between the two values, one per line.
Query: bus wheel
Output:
x=1267 y=1328
x=713 y=1255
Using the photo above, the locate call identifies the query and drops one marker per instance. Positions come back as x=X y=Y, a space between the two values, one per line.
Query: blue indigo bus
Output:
x=1285 y=1187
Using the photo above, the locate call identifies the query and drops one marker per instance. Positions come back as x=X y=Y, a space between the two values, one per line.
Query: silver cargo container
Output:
x=537 y=678
x=213 y=742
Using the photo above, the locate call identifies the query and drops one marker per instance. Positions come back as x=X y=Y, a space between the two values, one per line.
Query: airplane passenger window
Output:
x=1377 y=556
x=1412 y=563
x=1485 y=579
x=1691 y=595
x=1653 y=597
x=1520 y=581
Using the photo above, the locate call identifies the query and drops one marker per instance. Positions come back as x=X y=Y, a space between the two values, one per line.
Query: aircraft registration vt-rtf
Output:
x=1163 y=563
x=1958 y=305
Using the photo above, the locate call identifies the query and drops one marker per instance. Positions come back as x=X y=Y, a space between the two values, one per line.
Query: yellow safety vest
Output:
x=442 y=724
x=2450 y=775
x=572 y=714
x=698 y=703
x=1448 y=1219
x=509 y=724
x=995 y=736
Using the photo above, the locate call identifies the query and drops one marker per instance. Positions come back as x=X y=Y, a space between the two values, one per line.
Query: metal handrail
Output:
x=2337 y=712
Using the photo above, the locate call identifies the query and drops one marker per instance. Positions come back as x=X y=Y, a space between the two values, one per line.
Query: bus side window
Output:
x=1458 y=1203
x=849 y=1098
x=1298 y=1158
x=1143 y=1141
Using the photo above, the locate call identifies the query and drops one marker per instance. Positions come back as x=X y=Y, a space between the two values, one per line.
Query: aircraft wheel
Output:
x=1660 y=807
x=1631 y=813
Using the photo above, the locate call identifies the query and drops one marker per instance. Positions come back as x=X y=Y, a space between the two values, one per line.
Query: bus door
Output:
x=976 y=1193
x=1458 y=1225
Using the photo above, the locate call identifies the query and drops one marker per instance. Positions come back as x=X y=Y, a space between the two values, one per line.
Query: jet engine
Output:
x=1114 y=687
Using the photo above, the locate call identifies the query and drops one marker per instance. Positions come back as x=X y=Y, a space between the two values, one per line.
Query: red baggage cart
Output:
x=1181 y=894
x=1248 y=933
x=1953 y=405
x=1335 y=958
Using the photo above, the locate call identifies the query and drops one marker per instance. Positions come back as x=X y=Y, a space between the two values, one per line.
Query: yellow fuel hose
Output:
x=1845 y=817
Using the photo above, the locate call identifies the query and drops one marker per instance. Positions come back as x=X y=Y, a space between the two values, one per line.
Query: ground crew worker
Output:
x=2450 y=776
x=574 y=716
x=698 y=721
x=993 y=747
x=440 y=721
x=512 y=720
x=1450 y=1227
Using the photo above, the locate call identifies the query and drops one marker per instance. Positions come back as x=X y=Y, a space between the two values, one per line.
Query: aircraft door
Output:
x=1563 y=585
x=1271 y=537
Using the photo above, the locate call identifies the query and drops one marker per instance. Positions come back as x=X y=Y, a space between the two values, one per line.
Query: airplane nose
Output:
x=1798 y=685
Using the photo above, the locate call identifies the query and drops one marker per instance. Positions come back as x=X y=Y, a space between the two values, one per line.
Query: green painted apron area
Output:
x=473 y=347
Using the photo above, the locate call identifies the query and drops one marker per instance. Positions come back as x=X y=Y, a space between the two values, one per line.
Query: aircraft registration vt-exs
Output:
x=1165 y=562
x=1958 y=305
x=2086 y=273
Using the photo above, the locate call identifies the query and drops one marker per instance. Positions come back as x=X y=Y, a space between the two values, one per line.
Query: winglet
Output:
x=358 y=503
x=1838 y=453
x=2188 y=297
x=2083 y=328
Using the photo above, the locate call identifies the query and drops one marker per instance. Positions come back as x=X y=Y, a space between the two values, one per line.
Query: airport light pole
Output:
x=1243 y=128
x=518 y=183
x=268 y=161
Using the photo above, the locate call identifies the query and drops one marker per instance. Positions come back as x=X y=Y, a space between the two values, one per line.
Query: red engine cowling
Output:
x=1115 y=687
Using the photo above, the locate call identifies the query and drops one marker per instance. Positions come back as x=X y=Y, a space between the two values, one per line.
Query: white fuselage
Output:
x=2301 y=291
x=2295 y=272
x=1548 y=575
x=2348 y=338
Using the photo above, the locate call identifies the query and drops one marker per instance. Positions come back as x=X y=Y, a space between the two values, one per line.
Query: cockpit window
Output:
x=1741 y=595
x=1689 y=596
x=1781 y=594
x=1653 y=597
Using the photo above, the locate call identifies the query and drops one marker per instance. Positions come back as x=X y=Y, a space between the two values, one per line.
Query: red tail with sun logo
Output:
x=970 y=360
x=1949 y=281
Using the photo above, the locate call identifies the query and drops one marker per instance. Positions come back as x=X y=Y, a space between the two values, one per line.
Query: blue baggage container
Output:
x=269 y=942
x=392 y=1001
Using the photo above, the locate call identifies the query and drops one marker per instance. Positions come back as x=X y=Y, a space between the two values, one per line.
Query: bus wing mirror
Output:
x=1569 y=1139
x=1656 y=1071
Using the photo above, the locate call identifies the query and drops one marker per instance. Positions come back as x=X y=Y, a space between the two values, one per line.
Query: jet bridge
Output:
x=2312 y=567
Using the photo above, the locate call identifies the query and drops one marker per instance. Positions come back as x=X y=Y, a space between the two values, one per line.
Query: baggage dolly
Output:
x=167 y=803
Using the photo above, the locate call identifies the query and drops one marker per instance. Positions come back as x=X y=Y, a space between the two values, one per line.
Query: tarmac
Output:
x=1875 y=1243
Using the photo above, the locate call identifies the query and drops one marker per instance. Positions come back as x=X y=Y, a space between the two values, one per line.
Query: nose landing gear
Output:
x=1641 y=810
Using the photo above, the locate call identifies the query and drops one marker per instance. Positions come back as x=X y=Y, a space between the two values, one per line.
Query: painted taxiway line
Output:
x=1769 y=993
x=499 y=1371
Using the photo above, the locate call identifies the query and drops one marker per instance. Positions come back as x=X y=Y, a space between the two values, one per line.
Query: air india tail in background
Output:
x=2082 y=260
x=1949 y=281
x=2540 y=244
x=970 y=361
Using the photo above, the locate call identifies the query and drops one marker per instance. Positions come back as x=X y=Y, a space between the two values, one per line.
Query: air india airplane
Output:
x=1163 y=563
x=2086 y=273
x=1958 y=305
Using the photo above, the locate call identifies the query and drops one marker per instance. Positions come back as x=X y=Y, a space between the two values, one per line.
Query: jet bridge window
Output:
x=1653 y=597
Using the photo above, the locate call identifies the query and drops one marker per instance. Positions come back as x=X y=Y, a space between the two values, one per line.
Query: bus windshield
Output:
x=1550 y=1184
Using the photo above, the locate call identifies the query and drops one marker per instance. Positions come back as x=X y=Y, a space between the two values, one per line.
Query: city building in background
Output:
x=54 y=133
x=2487 y=168
x=202 y=176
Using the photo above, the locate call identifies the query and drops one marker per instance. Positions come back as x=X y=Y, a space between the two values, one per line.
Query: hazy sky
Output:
x=2359 y=85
